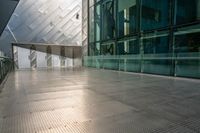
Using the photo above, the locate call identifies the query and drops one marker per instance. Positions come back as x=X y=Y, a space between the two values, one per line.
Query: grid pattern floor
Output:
x=98 y=101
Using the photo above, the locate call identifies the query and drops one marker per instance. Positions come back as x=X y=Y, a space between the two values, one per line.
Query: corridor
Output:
x=98 y=101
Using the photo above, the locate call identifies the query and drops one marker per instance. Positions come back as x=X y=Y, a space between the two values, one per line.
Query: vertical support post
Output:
x=173 y=8
x=140 y=34
x=88 y=25
x=73 y=57
x=13 y=62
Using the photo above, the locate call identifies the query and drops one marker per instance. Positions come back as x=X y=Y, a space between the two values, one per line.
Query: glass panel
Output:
x=157 y=57
x=97 y=22
x=109 y=61
x=187 y=43
x=155 y=14
x=91 y=49
x=94 y=49
x=130 y=63
x=126 y=17
x=156 y=45
x=187 y=11
x=130 y=59
x=97 y=49
x=152 y=53
x=89 y=61
x=187 y=49
x=108 y=49
x=108 y=26
x=91 y=25
x=128 y=47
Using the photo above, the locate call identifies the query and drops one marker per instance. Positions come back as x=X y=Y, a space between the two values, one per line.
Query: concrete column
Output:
x=15 y=53
x=33 y=58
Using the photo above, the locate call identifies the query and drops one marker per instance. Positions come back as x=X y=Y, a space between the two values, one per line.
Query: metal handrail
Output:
x=6 y=66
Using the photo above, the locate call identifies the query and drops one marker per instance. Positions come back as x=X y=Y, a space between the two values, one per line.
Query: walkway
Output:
x=98 y=101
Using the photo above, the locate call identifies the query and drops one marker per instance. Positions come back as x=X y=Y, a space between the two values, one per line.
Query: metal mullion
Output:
x=94 y=50
x=100 y=25
x=116 y=26
x=173 y=9
x=88 y=28
x=138 y=29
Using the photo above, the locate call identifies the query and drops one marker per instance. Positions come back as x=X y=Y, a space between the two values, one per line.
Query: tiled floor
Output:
x=98 y=101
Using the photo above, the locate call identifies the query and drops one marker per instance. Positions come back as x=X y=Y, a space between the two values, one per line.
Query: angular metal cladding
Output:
x=43 y=21
x=6 y=9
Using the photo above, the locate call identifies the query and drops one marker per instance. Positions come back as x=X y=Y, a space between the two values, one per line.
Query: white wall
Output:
x=23 y=58
x=41 y=60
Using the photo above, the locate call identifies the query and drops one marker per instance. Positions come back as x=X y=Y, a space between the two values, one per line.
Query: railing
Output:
x=179 y=64
x=6 y=65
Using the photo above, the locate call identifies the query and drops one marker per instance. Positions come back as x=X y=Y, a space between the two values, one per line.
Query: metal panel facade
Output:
x=44 y=21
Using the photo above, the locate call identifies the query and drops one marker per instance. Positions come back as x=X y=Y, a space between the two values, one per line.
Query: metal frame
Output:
x=171 y=27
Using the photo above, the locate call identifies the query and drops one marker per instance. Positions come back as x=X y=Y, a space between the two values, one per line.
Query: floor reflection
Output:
x=97 y=101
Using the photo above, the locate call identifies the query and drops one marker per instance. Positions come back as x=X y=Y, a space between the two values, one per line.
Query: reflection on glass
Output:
x=108 y=49
x=91 y=49
x=108 y=19
x=128 y=47
x=144 y=42
x=94 y=49
x=91 y=24
x=187 y=50
x=156 y=45
x=155 y=14
x=126 y=17
x=97 y=49
x=187 y=43
x=187 y=11
x=156 y=55
x=97 y=22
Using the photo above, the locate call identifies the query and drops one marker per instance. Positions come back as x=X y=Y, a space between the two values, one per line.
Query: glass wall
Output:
x=129 y=52
x=155 y=14
x=127 y=15
x=157 y=53
x=108 y=19
x=187 y=52
x=97 y=22
x=128 y=47
x=147 y=36
x=108 y=49
x=91 y=24
x=187 y=11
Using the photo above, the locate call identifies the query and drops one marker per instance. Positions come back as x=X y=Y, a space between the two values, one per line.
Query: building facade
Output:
x=44 y=21
x=145 y=36
x=48 y=29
